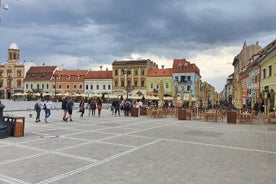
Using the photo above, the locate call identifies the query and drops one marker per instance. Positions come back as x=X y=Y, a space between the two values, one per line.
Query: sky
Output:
x=87 y=34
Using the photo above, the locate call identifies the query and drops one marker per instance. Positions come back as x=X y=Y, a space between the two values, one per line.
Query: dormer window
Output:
x=78 y=77
x=32 y=76
x=68 y=77
x=43 y=76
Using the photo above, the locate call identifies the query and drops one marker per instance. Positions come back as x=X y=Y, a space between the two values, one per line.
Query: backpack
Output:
x=36 y=106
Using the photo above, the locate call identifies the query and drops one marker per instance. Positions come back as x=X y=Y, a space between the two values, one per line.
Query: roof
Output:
x=69 y=75
x=14 y=46
x=99 y=75
x=185 y=66
x=160 y=72
x=131 y=62
x=40 y=73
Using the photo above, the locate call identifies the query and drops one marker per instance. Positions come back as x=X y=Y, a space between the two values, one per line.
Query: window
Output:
x=188 y=78
x=27 y=86
x=68 y=77
x=67 y=86
x=32 y=76
x=86 y=87
x=116 y=84
x=42 y=86
x=151 y=85
x=103 y=87
x=269 y=71
x=43 y=76
x=135 y=72
x=80 y=86
x=109 y=86
x=91 y=86
x=19 y=73
x=37 y=86
x=9 y=73
x=59 y=86
x=183 y=79
x=188 y=88
x=264 y=73
x=142 y=83
x=78 y=77
x=123 y=83
x=128 y=83
x=47 y=86
x=19 y=83
x=116 y=72
x=176 y=78
x=75 y=86
x=98 y=87
x=142 y=72
x=167 y=85
x=135 y=83
x=31 y=86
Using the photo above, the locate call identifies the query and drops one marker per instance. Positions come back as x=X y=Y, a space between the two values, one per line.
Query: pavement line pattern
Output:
x=210 y=145
x=11 y=180
x=53 y=179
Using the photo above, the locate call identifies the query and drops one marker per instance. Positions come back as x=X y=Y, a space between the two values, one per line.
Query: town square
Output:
x=144 y=92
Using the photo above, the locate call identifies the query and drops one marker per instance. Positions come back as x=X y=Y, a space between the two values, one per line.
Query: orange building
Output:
x=68 y=81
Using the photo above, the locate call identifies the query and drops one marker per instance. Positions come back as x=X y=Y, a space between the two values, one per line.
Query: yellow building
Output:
x=130 y=76
x=155 y=76
x=267 y=61
x=11 y=73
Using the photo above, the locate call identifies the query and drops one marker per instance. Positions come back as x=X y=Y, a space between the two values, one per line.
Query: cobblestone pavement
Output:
x=144 y=150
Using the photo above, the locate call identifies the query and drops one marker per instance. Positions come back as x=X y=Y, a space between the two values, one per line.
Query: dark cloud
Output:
x=105 y=30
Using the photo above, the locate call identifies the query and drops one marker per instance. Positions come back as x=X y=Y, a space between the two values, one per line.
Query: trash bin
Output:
x=181 y=114
x=231 y=117
x=134 y=112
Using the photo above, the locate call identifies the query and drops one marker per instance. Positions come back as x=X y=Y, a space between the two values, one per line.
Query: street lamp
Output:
x=127 y=73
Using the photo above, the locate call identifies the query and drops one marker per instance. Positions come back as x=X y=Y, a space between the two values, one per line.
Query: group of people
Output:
x=42 y=105
x=124 y=106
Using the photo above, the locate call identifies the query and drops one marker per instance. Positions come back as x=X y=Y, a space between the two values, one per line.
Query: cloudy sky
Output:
x=86 y=34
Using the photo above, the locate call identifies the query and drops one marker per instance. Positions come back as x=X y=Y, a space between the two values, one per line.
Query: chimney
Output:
x=162 y=66
x=101 y=67
x=106 y=69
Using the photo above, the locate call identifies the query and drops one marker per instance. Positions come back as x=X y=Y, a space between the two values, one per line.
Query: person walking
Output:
x=47 y=109
x=117 y=107
x=99 y=106
x=81 y=106
x=37 y=108
x=88 y=107
x=69 y=108
x=63 y=107
x=93 y=107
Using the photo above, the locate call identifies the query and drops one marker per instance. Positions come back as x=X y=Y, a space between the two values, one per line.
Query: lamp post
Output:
x=55 y=77
x=127 y=73
x=3 y=6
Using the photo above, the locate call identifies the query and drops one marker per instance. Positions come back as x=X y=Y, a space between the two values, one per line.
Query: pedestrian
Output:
x=99 y=106
x=81 y=106
x=47 y=109
x=69 y=108
x=113 y=106
x=127 y=107
x=117 y=107
x=63 y=107
x=93 y=107
x=88 y=106
x=38 y=106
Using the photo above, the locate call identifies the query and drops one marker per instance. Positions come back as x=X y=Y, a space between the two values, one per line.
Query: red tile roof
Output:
x=99 y=75
x=191 y=68
x=39 y=73
x=160 y=72
x=69 y=75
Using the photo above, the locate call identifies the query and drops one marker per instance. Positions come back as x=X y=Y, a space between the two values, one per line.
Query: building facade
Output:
x=130 y=76
x=11 y=73
x=38 y=79
x=98 y=82
x=184 y=72
x=155 y=76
